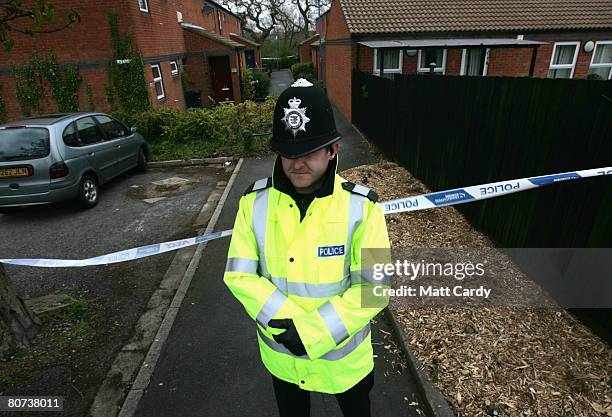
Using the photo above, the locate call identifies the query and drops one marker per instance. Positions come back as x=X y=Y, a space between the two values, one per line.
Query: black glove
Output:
x=290 y=339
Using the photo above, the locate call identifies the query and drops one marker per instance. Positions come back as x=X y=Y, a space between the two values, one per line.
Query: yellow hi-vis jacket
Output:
x=311 y=272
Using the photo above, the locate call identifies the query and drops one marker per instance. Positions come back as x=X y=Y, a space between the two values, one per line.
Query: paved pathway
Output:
x=210 y=365
x=280 y=80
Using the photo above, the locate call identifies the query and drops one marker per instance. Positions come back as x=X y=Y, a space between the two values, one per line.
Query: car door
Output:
x=125 y=144
x=100 y=153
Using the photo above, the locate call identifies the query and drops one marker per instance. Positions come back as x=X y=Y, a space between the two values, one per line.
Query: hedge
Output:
x=198 y=133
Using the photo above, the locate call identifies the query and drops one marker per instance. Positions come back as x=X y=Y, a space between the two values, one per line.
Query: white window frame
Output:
x=174 y=71
x=388 y=70
x=426 y=70
x=601 y=65
x=564 y=66
x=486 y=62
x=146 y=5
x=159 y=79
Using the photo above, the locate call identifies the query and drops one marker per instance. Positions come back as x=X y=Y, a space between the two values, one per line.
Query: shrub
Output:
x=150 y=123
x=262 y=87
x=287 y=61
x=222 y=130
x=247 y=89
x=305 y=70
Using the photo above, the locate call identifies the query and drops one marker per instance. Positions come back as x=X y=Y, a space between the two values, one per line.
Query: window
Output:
x=144 y=5
x=435 y=57
x=173 y=68
x=601 y=62
x=70 y=136
x=393 y=62
x=112 y=128
x=475 y=61
x=563 y=60
x=22 y=143
x=88 y=130
x=157 y=80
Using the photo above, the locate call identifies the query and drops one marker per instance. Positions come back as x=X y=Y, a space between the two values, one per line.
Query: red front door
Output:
x=221 y=79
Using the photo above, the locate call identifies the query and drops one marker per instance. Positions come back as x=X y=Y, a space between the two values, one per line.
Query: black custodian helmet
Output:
x=303 y=121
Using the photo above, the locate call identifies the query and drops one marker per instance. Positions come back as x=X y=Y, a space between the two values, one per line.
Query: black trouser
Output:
x=295 y=402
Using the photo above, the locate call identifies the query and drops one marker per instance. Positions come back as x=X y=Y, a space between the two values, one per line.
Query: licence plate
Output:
x=14 y=172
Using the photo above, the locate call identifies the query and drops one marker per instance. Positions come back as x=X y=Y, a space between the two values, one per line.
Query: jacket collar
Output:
x=281 y=182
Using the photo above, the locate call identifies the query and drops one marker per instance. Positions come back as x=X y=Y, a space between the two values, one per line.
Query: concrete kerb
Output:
x=155 y=323
x=435 y=403
x=190 y=162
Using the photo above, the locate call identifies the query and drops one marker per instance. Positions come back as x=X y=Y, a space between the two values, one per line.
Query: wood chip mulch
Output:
x=492 y=361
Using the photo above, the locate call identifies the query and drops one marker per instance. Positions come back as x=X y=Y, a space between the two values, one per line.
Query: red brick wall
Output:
x=339 y=60
x=453 y=61
x=304 y=52
x=410 y=64
x=86 y=42
x=258 y=57
x=335 y=26
x=338 y=76
x=506 y=62
x=172 y=87
x=321 y=25
x=510 y=62
x=197 y=66
x=155 y=33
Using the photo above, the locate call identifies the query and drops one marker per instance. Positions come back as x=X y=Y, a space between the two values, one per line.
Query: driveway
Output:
x=116 y=294
x=280 y=81
x=125 y=217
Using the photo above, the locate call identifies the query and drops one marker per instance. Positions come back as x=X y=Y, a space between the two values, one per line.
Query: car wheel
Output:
x=88 y=192
x=142 y=160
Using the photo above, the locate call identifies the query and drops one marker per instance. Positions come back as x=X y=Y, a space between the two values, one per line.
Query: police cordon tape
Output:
x=420 y=202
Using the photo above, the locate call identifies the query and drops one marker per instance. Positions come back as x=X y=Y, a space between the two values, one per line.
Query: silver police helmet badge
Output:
x=295 y=118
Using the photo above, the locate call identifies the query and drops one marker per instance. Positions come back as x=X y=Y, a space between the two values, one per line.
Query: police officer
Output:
x=295 y=261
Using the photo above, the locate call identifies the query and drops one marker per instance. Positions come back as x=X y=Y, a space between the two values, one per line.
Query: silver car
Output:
x=65 y=156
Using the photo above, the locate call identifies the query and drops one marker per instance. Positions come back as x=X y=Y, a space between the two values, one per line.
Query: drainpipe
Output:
x=320 y=41
x=239 y=73
x=534 y=54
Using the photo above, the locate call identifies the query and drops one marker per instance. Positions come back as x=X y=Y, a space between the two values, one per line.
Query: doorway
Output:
x=221 y=79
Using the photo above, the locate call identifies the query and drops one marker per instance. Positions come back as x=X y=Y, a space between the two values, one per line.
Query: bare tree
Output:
x=257 y=17
x=19 y=18
x=290 y=23
x=308 y=12
x=18 y=325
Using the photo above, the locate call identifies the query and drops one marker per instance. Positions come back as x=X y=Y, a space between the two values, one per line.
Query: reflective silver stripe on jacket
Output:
x=259 y=184
x=271 y=307
x=355 y=218
x=364 y=275
x=333 y=355
x=360 y=189
x=307 y=290
x=244 y=265
x=333 y=322
x=260 y=219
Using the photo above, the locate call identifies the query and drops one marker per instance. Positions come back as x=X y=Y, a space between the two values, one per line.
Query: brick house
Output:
x=510 y=38
x=309 y=48
x=200 y=38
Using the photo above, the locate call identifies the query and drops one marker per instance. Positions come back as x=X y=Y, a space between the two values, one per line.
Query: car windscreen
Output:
x=23 y=143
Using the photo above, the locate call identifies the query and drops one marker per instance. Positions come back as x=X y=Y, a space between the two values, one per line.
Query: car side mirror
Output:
x=133 y=129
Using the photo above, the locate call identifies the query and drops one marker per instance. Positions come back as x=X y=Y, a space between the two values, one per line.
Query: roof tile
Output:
x=405 y=16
